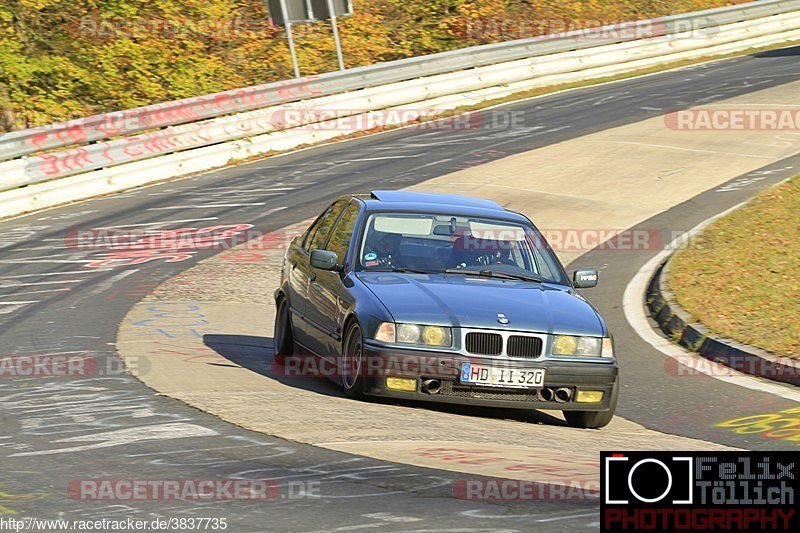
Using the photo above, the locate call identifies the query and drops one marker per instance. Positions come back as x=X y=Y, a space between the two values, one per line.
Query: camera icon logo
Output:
x=648 y=480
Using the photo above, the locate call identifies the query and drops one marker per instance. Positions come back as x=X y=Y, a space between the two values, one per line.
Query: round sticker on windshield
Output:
x=370 y=257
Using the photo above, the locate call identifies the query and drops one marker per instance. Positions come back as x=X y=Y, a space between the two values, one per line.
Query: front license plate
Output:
x=492 y=376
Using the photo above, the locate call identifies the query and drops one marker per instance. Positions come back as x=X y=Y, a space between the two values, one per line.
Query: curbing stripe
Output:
x=677 y=324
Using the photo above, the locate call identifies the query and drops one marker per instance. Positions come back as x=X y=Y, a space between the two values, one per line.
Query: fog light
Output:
x=589 y=396
x=404 y=384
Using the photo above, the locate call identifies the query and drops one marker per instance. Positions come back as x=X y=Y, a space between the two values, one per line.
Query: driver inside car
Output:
x=469 y=251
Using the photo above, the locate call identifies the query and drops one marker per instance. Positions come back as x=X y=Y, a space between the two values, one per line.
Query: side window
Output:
x=343 y=233
x=318 y=233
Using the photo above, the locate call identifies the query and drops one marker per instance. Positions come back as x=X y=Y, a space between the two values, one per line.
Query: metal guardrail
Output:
x=131 y=121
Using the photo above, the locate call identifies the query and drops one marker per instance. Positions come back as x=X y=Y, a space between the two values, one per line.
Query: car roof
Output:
x=453 y=204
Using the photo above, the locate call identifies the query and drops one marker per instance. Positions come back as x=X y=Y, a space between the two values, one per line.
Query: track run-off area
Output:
x=195 y=327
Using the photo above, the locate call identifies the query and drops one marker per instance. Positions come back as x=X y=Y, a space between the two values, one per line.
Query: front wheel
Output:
x=594 y=419
x=283 y=340
x=351 y=360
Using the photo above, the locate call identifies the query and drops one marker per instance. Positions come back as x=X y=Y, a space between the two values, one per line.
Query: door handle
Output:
x=313 y=276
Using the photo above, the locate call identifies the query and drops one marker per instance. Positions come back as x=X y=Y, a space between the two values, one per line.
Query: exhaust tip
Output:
x=546 y=394
x=563 y=394
x=431 y=386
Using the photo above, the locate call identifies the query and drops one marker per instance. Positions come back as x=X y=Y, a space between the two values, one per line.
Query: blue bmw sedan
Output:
x=444 y=298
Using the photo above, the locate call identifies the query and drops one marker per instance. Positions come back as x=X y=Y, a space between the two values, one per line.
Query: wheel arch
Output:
x=348 y=321
x=280 y=295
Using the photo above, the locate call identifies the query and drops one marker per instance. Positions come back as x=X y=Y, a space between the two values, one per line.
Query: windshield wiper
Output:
x=495 y=274
x=403 y=270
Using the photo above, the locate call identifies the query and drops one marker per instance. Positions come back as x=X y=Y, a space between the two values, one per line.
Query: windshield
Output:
x=439 y=243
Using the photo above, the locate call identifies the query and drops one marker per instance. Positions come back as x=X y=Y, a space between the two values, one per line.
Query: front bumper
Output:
x=445 y=367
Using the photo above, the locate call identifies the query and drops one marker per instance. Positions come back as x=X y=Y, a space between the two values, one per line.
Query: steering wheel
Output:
x=493 y=258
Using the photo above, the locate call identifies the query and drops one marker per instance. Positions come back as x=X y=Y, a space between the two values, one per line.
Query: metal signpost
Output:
x=332 y=12
x=288 y=12
x=288 y=22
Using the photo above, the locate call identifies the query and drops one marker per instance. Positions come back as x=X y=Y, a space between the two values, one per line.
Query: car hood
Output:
x=474 y=302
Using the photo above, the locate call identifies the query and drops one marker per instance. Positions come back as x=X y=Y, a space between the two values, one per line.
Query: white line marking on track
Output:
x=159 y=453
x=48 y=256
x=389 y=517
x=26 y=261
x=161 y=223
x=634 y=309
x=439 y=162
x=73 y=272
x=480 y=514
x=40 y=283
x=132 y=435
x=268 y=189
x=381 y=158
x=10 y=309
x=38 y=248
x=204 y=206
x=107 y=284
x=38 y=292
x=70 y=351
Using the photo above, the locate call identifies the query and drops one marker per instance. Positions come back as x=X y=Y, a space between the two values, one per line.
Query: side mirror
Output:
x=325 y=260
x=584 y=279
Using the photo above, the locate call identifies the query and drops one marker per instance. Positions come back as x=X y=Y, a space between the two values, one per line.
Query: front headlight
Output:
x=581 y=346
x=408 y=333
x=414 y=334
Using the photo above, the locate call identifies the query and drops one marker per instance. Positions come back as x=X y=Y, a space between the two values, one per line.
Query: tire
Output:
x=594 y=419
x=351 y=360
x=283 y=338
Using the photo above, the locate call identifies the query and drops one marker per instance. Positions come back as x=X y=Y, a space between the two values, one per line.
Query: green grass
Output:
x=741 y=279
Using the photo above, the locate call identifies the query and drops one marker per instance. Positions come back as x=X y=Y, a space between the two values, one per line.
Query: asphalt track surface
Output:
x=52 y=300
